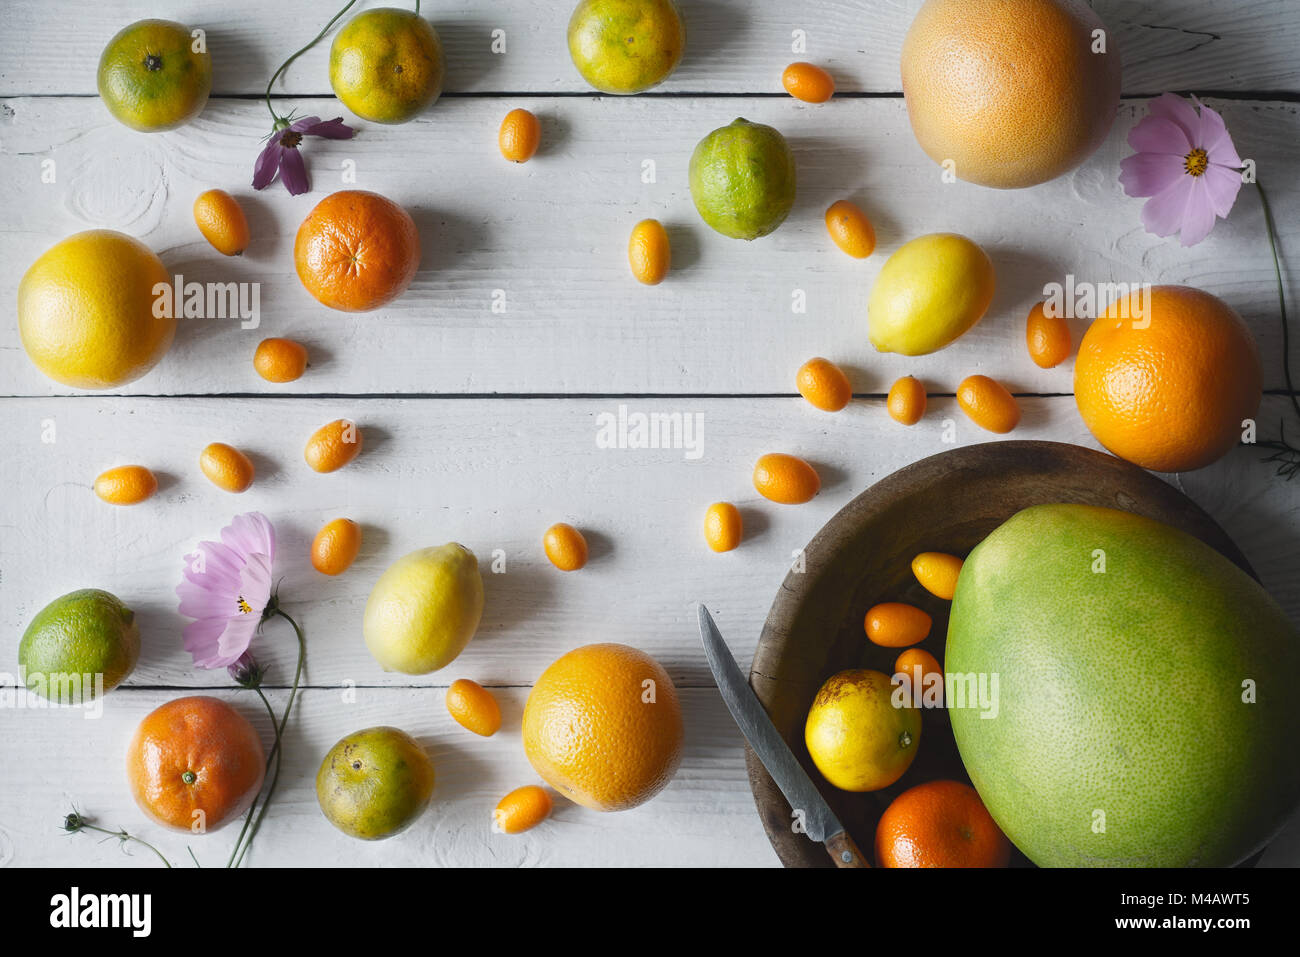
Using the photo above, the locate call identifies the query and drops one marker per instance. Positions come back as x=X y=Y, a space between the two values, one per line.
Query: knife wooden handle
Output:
x=844 y=852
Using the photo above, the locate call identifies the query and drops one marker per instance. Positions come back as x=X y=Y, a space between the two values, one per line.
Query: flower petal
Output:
x=255 y=584
x=293 y=172
x=1198 y=215
x=235 y=639
x=250 y=534
x=201 y=640
x=218 y=567
x=1159 y=134
x=300 y=126
x=334 y=129
x=1163 y=213
x=1222 y=185
x=1180 y=111
x=267 y=165
x=1214 y=139
x=1148 y=174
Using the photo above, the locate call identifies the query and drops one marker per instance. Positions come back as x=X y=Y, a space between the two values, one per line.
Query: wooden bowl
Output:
x=948 y=503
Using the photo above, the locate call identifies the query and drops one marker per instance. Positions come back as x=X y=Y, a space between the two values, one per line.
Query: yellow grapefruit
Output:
x=86 y=311
x=1012 y=92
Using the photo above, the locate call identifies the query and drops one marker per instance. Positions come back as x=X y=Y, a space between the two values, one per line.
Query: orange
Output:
x=722 y=526
x=1047 y=338
x=940 y=824
x=808 y=82
x=988 y=404
x=786 y=479
x=906 y=401
x=937 y=572
x=603 y=726
x=221 y=220
x=335 y=546
x=356 y=251
x=521 y=809
x=1170 y=390
x=195 y=763
x=333 y=445
x=519 y=136
x=227 y=467
x=386 y=65
x=565 y=547
x=152 y=78
x=280 y=360
x=648 y=252
x=850 y=229
x=474 y=707
x=894 y=624
x=913 y=658
x=1009 y=92
x=126 y=485
x=824 y=384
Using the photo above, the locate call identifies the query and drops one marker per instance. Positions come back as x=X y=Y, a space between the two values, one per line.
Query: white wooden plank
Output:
x=704 y=818
x=576 y=321
x=493 y=474
x=733 y=46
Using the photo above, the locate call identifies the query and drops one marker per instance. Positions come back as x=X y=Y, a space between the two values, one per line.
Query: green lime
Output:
x=74 y=639
x=742 y=179
x=374 y=783
x=626 y=46
x=152 y=78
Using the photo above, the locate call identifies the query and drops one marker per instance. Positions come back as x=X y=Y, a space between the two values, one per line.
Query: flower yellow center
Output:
x=1196 y=161
x=244 y=607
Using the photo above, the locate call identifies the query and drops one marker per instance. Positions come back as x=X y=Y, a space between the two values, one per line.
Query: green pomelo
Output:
x=1146 y=710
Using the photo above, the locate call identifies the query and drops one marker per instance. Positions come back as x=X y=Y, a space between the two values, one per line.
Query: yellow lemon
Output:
x=386 y=65
x=626 y=46
x=932 y=290
x=86 y=311
x=424 y=609
x=856 y=736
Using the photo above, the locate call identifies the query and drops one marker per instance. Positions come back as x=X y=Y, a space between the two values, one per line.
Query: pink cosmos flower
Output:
x=280 y=155
x=1186 y=163
x=226 y=588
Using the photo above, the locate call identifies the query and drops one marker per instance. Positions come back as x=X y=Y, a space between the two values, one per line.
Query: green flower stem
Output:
x=252 y=808
x=285 y=65
x=74 y=822
x=1286 y=455
x=1281 y=297
x=277 y=751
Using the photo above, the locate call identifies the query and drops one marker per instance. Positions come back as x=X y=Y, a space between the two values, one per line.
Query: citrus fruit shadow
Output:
x=462 y=46
x=754 y=524
x=519 y=595
x=1021 y=277
x=684 y=248
x=714 y=30
x=816 y=186
x=445 y=239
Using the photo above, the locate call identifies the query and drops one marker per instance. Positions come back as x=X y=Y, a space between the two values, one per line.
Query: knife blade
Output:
x=819 y=821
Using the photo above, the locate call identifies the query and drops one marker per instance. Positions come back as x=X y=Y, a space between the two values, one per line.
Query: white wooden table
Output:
x=480 y=425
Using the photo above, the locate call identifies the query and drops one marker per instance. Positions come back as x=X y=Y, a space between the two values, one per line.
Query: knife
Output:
x=820 y=822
